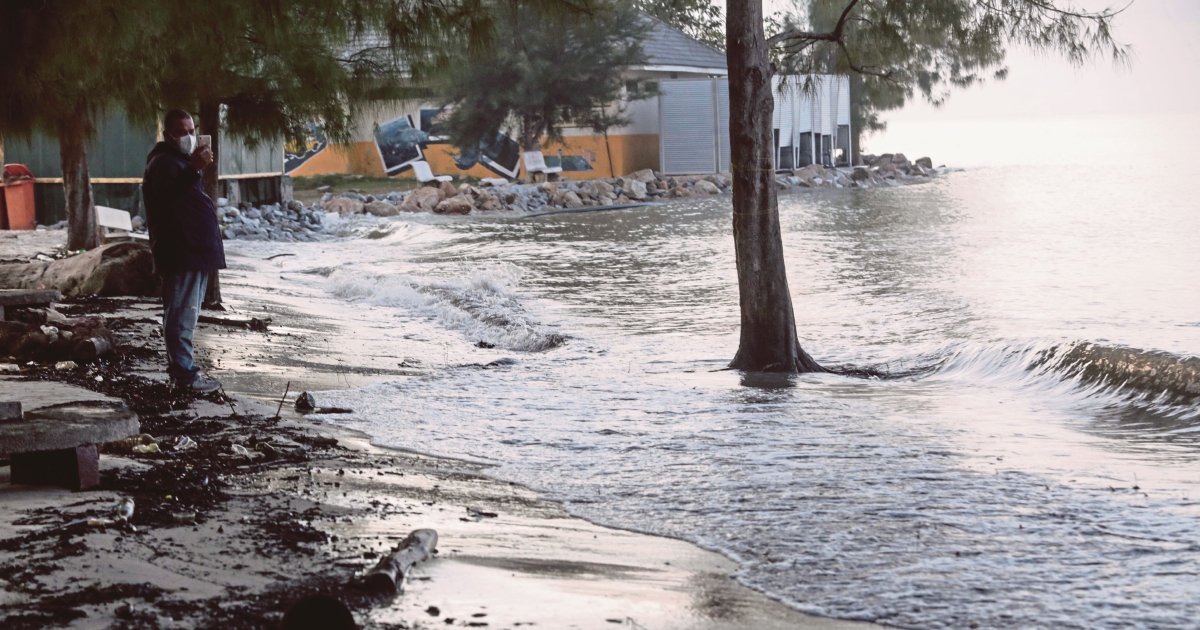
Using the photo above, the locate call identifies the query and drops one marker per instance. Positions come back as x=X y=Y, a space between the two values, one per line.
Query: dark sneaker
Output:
x=201 y=385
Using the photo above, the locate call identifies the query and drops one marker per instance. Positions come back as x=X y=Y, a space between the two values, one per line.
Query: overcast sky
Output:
x=1164 y=75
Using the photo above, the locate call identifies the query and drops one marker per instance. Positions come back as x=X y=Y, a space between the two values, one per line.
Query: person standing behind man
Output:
x=185 y=238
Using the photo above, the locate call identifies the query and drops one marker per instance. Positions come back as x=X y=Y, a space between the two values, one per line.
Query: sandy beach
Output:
x=227 y=541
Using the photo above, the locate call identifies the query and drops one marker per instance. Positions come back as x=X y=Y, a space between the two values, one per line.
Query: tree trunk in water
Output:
x=82 y=230
x=768 y=337
x=210 y=125
x=857 y=121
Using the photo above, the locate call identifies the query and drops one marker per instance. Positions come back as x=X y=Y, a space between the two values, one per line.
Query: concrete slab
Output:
x=27 y=297
x=67 y=426
x=16 y=298
x=34 y=394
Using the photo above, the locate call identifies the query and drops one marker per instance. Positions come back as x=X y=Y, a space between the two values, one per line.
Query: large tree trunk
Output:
x=768 y=339
x=210 y=124
x=857 y=119
x=82 y=230
x=529 y=142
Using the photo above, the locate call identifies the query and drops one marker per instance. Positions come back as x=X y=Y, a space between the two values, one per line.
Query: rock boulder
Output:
x=344 y=205
x=426 y=198
x=636 y=189
x=454 y=205
x=381 y=209
x=644 y=176
x=572 y=200
x=601 y=188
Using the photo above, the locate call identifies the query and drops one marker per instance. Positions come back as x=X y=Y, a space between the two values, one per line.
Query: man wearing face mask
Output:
x=185 y=238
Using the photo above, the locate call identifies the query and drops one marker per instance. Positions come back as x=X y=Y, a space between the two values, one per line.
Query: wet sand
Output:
x=312 y=523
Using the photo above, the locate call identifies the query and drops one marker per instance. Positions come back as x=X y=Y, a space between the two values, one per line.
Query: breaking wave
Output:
x=1156 y=381
x=483 y=307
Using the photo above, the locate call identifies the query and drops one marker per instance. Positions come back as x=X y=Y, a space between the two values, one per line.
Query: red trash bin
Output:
x=17 y=210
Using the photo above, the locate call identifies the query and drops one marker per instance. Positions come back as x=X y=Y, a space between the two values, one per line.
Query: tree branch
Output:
x=833 y=36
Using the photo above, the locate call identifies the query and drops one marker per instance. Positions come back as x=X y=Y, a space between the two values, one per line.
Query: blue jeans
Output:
x=183 y=292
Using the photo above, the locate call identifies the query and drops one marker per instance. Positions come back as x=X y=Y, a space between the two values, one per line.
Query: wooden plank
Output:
x=252 y=176
x=138 y=180
x=94 y=180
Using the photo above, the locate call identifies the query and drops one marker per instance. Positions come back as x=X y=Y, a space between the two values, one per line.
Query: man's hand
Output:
x=201 y=158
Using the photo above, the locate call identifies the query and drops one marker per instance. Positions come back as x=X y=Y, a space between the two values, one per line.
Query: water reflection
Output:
x=974 y=489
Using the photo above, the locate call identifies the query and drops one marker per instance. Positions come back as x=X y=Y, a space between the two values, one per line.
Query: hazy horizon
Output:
x=1149 y=97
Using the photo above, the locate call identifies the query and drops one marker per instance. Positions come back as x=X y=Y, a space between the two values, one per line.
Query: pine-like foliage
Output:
x=64 y=58
x=702 y=19
x=897 y=49
x=544 y=72
x=274 y=67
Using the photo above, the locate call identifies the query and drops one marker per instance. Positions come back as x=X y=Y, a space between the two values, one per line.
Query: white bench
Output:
x=117 y=224
x=535 y=163
x=425 y=174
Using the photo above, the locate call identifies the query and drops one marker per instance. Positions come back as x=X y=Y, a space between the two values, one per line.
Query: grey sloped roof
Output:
x=666 y=45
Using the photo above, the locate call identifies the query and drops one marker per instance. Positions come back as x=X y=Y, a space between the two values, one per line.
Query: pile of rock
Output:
x=890 y=169
x=272 y=222
x=447 y=199
x=295 y=222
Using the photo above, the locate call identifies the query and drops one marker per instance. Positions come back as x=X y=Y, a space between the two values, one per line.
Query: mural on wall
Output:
x=400 y=144
x=297 y=152
x=572 y=162
x=433 y=123
x=501 y=155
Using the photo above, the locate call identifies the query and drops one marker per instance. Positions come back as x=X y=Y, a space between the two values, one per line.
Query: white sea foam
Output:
x=1011 y=478
x=483 y=306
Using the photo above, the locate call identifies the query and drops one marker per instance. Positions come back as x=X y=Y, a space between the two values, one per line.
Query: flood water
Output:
x=1033 y=461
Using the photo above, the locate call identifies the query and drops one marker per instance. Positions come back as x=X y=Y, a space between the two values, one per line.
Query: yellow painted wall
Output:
x=631 y=152
x=359 y=158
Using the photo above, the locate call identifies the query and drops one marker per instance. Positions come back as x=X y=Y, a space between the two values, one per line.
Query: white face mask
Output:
x=187 y=144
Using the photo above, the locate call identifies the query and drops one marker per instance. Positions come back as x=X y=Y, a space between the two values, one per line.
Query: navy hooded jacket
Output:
x=184 y=233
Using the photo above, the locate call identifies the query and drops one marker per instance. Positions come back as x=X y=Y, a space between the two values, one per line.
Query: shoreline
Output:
x=292 y=534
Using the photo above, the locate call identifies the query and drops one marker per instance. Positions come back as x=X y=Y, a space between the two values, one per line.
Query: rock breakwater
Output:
x=293 y=221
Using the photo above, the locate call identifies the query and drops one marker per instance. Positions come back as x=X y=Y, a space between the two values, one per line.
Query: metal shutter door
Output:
x=723 y=123
x=687 y=134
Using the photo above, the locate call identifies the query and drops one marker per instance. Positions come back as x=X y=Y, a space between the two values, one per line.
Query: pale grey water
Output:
x=980 y=486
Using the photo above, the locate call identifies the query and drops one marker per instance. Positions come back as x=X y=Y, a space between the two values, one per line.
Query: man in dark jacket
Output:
x=185 y=238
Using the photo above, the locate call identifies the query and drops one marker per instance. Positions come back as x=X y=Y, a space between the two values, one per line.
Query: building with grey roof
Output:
x=671 y=51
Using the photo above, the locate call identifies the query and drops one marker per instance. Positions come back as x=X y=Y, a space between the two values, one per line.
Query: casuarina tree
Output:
x=701 y=19
x=57 y=77
x=543 y=72
x=264 y=71
x=913 y=45
x=259 y=71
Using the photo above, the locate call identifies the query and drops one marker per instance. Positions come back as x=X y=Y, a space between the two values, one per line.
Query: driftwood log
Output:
x=254 y=323
x=116 y=269
x=388 y=575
